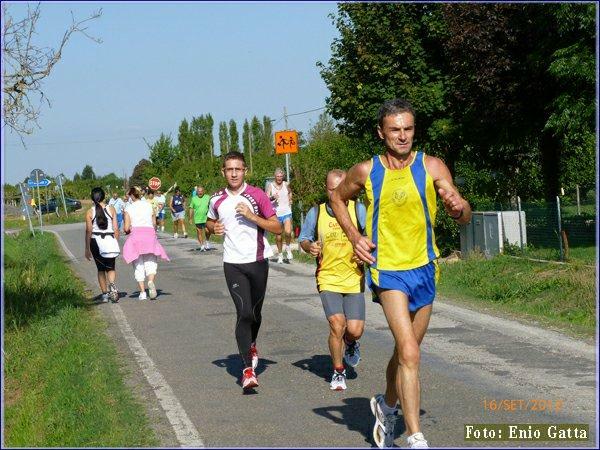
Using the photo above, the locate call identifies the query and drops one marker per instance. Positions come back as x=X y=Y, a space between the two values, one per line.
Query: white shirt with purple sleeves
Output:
x=245 y=242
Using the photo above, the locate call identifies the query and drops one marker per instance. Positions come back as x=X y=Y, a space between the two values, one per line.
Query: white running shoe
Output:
x=289 y=254
x=383 y=430
x=113 y=292
x=152 y=290
x=175 y=236
x=104 y=297
x=352 y=354
x=143 y=296
x=280 y=259
x=417 y=440
x=162 y=229
x=338 y=381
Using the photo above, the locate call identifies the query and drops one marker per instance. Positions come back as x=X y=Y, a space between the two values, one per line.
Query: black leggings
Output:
x=247 y=284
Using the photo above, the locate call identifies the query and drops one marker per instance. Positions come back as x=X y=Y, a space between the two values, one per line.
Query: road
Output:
x=182 y=361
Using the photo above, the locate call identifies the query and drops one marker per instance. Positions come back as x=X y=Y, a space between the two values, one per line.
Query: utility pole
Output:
x=250 y=147
x=287 y=155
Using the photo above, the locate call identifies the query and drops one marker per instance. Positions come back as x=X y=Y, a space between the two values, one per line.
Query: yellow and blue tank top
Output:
x=336 y=270
x=401 y=209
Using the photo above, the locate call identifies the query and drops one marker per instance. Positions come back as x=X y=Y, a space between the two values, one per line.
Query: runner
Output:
x=101 y=243
x=339 y=276
x=242 y=213
x=177 y=206
x=142 y=247
x=119 y=205
x=160 y=200
x=280 y=194
x=400 y=248
x=198 y=211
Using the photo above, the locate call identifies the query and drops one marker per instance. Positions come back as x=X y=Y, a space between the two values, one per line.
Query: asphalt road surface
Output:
x=182 y=360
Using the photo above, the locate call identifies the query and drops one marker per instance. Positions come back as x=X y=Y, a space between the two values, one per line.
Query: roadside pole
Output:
x=27 y=206
x=62 y=193
x=287 y=155
x=37 y=182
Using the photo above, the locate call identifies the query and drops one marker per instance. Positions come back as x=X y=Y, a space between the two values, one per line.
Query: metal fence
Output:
x=562 y=230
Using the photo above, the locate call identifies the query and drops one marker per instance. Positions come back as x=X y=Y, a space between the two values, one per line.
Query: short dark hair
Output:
x=395 y=106
x=234 y=155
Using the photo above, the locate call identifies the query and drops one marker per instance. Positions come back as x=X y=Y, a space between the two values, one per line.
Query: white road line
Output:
x=184 y=429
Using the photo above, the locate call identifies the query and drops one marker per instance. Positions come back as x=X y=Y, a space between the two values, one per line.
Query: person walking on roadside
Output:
x=177 y=206
x=243 y=213
x=400 y=250
x=117 y=203
x=101 y=243
x=280 y=194
x=142 y=248
x=160 y=200
x=198 y=215
x=340 y=278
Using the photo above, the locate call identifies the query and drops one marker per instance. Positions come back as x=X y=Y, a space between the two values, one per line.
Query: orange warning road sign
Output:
x=286 y=142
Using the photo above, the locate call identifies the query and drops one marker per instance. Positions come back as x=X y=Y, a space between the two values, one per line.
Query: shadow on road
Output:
x=136 y=294
x=234 y=366
x=321 y=366
x=356 y=415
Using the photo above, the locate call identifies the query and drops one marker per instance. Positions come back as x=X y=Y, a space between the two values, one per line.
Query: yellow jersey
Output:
x=336 y=269
x=401 y=210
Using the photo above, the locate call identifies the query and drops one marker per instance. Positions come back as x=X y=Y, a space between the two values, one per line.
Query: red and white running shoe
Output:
x=254 y=355
x=249 y=378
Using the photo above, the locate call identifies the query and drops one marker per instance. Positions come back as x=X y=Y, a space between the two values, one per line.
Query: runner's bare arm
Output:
x=115 y=224
x=88 y=234
x=126 y=222
x=271 y=224
x=351 y=186
x=456 y=206
x=215 y=227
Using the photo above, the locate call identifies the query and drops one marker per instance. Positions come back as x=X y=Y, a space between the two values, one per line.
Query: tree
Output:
x=183 y=141
x=256 y=130
x=76 y=177
x=267 y=135
x=246 y=137
x=234 y=137
x=27 y=64
x=162 y=152
x=88 y=173
x=324 y=127
x=138 y=176
x=223 y=138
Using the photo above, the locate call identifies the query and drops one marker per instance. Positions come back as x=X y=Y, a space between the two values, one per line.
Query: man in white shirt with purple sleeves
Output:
x=242 y=213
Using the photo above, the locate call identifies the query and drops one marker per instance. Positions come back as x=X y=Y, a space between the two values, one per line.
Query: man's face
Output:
x=398 y=132
x=278 y=178
x=200 y=191
x=234 y=172
x=332 y=182
x=115 y=195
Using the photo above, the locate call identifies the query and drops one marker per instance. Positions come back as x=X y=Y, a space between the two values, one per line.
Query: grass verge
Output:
x=63 y=377
x=553 y=294
x=47 y=219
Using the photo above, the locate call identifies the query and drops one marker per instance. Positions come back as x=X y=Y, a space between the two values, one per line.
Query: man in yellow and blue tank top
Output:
x=401 y=254
x=340 y=280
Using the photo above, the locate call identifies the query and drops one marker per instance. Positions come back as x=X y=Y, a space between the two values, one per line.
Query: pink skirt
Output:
x=142 y=241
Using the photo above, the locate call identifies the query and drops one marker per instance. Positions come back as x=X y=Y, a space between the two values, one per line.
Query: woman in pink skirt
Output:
x=142 y=247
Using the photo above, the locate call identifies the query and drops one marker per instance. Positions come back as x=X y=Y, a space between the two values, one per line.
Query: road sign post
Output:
x=25 y=199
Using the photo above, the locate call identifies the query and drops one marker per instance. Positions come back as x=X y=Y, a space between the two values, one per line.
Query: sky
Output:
x=159 y=63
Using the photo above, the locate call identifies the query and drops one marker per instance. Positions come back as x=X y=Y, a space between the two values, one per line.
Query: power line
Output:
x=299 y=113
x=93 y=141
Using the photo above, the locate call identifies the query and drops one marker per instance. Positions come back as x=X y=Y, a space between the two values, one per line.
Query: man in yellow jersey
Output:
x=400 y=250
x=339 y=276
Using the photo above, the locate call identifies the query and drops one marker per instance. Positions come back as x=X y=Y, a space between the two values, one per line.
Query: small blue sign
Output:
x=42 y=183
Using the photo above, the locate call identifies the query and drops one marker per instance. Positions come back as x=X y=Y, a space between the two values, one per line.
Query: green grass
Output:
x=47 y=219
x=583 y=255
x=63 y=378
x=558 y=295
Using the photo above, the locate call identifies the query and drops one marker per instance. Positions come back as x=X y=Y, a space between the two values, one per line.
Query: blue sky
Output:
x=162 y=62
